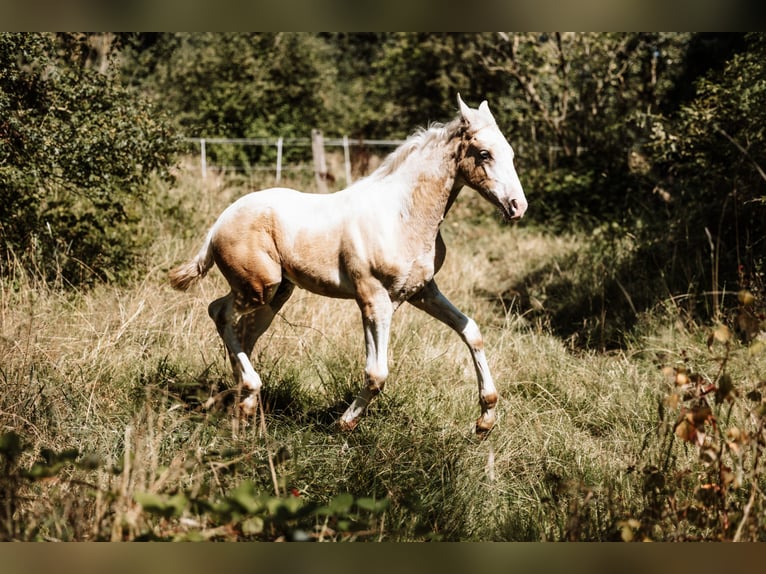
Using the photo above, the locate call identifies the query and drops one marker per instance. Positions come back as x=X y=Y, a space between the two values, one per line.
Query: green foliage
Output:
x=710 y=161
x=76 y=152
x=577 y=108
x=415 y=78
x=241 y=86
x=243 y=513
x=120 y=424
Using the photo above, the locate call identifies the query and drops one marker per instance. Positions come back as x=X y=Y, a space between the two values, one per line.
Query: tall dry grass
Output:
x=121 y=400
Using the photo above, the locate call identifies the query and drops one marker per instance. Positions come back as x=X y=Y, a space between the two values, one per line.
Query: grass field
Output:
x=117 y=415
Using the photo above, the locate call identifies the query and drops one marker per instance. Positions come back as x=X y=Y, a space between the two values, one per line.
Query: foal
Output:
x=377 y=242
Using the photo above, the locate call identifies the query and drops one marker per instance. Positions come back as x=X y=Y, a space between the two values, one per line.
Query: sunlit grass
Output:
x=135 y=378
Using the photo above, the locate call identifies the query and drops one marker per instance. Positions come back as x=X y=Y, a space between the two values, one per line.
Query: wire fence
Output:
x=280 y=144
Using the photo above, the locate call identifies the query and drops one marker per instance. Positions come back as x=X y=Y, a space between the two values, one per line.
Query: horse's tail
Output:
x=189 y=273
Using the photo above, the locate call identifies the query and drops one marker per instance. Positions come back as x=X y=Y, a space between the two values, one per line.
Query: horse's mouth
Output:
x=512 y=209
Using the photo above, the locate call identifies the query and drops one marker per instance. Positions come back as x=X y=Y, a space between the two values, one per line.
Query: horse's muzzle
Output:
x=514 y=208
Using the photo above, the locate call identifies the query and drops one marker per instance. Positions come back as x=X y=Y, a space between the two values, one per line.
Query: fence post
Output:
x=320 y=165
x=279 y=159
x=347 y=158
x=203 y=158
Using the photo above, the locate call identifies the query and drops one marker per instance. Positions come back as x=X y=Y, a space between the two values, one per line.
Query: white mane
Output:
x=436 y=133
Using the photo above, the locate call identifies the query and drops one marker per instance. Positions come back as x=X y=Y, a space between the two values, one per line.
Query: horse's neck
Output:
x=430 y=188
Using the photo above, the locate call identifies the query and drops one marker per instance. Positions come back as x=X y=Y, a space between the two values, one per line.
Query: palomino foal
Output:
x=377 y=242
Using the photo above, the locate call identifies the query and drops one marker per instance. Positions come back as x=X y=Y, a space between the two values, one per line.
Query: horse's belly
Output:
x=321 y=283
x=318 y=271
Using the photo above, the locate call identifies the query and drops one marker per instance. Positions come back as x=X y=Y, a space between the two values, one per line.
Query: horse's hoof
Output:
x=484 y=426
x=249 y=406
x=348 y=426
x=482 y=433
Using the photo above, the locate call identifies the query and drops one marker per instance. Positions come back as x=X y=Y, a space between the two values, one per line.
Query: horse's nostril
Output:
x=517 y=208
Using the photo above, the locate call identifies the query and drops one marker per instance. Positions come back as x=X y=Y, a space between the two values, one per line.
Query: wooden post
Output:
x=203 y=158
x=320 y=165
x=347 y=158
x=279 y=158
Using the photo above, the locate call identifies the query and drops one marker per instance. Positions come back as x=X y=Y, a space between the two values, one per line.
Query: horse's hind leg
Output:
x=240 y=329
x=253 y=324
x=223 y=314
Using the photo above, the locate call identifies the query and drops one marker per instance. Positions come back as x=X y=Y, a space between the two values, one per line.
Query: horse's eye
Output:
x=485 y=155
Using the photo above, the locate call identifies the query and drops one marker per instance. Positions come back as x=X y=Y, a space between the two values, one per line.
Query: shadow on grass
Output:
x=594 y=297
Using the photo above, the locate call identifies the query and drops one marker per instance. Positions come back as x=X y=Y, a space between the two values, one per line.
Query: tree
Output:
x=76 y=152
x=238 y=85
x=711 y=158
x=416 y=77
x=578 y=111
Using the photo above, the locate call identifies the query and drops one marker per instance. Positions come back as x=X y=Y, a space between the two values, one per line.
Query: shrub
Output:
x=76 y=152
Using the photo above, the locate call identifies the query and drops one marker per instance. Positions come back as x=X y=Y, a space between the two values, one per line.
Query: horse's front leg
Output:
x=377 y=312
x=431 y=300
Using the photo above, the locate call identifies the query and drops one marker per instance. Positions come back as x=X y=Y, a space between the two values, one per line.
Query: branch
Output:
x=527 y=84
x=742 y=150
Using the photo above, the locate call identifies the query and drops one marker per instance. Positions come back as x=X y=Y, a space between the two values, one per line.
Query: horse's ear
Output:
x=465 y=111
x=484 y=109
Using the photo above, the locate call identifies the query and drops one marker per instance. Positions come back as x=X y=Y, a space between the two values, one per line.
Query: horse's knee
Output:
x=472 y=335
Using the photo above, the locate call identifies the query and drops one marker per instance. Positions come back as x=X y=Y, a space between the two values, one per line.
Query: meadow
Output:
x=118 y=419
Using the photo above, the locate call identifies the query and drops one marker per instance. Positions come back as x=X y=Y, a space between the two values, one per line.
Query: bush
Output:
x=76 y=152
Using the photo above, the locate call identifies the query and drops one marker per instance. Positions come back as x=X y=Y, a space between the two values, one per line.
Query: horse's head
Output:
x=485 y=161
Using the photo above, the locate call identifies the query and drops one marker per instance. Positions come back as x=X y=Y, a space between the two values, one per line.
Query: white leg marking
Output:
x=249 y=377
x=472 y=337
x=250 y=380
x=377 y=327
x=431 y=300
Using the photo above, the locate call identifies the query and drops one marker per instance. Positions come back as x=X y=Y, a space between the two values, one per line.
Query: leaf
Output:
x=685 y=430
x=338 y=506
x=745 y=297
x=725 y=390
x=292 y=504
x=373 y=505
x=246 y=498
x=149 y=501
x=10 y=445
x=41 y=470
x=721 y=334
x=178 y=502
x=691 y=424
x=341 y=504
x=252 y=525
x=162 y=505
x=627 y=527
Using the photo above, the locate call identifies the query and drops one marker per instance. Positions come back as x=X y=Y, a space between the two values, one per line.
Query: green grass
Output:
x=117 y=416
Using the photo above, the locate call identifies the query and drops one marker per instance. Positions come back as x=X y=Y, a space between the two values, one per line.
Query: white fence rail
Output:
x=317 y=143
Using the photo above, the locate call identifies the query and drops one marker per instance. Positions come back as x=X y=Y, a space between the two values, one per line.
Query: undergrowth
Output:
x=118 y=419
